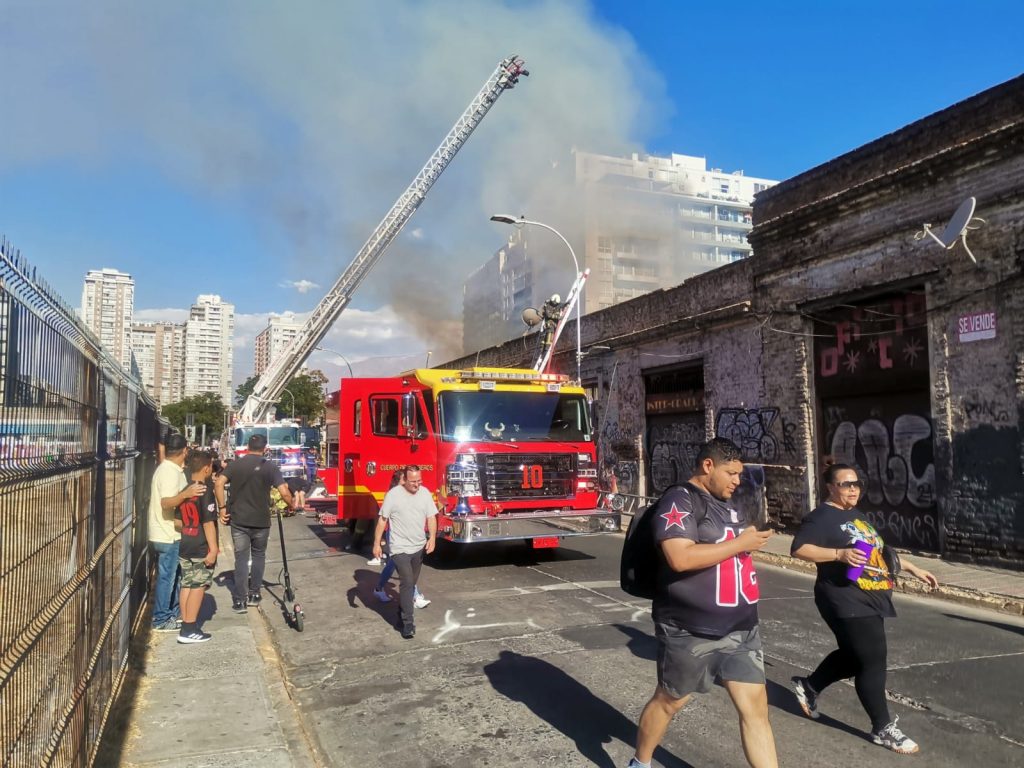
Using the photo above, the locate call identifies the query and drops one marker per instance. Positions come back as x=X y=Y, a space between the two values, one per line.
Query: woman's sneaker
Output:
x=891 y=737
x=421 y=602
x=806 y=697
x=381 y=595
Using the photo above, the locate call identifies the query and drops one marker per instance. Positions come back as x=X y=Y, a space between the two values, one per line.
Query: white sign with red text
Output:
x=977 y=326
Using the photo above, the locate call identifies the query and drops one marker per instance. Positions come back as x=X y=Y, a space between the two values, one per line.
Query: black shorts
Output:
x=689 y=663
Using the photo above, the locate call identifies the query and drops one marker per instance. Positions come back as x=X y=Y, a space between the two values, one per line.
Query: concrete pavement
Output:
x=350 y=691
x=222 y=703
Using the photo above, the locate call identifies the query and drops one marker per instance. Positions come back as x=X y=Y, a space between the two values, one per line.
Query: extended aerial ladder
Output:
x=271 y=384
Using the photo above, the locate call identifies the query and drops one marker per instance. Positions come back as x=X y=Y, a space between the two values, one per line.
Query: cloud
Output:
x=302 y=286
x=312 y=122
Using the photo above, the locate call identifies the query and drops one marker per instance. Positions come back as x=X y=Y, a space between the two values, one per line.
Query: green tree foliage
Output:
x=207 y=409
x=245 y=389
x=308 y=391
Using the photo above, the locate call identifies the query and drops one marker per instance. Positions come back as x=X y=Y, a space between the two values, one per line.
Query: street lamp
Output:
x=285 y=389
x=345 y=359
x=503 y=218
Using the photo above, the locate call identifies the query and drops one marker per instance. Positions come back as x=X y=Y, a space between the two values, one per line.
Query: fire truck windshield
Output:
x=513 y=416
x=274 y=435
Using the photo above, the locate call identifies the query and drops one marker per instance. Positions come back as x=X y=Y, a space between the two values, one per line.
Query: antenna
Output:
x=963 y=221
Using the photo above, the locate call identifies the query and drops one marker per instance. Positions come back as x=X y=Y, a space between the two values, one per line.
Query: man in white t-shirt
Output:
x=168 y=490
x=409 y=510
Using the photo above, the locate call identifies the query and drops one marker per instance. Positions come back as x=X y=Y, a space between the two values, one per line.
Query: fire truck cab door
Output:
x=377 y=441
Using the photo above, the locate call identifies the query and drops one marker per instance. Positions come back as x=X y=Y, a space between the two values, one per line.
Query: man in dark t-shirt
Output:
x=705 y=606
x=251 y=478
x=196 y=519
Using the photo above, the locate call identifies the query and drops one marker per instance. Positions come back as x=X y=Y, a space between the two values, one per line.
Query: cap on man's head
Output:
x=175 y=443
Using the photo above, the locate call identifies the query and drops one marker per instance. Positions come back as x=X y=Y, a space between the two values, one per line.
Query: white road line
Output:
x=954 y=661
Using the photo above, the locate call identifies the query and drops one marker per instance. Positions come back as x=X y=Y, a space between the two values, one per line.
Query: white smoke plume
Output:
x=314 y=116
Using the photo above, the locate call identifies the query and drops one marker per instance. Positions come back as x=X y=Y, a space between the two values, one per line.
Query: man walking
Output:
x=408 y=509
x=168 y=489
x=251 y=478
x=705 y=607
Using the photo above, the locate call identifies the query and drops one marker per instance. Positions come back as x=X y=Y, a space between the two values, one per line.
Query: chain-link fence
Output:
x=77 y=446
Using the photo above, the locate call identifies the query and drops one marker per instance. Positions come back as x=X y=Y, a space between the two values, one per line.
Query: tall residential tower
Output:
x=108 y=299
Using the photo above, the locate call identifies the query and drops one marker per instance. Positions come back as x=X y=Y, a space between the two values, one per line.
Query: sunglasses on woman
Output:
x=850 y=484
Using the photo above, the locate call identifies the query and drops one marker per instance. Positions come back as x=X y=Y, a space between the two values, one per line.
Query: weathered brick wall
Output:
x=846 y=230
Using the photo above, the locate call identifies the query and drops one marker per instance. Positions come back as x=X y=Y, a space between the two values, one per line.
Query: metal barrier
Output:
x=77 y=446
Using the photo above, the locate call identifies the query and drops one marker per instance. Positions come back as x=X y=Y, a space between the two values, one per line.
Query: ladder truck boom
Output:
x=271 y=384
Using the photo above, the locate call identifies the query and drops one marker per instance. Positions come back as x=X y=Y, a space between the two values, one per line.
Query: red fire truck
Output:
x=509 y=453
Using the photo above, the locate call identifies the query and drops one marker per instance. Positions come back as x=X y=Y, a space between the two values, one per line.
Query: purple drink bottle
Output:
x=854 y=571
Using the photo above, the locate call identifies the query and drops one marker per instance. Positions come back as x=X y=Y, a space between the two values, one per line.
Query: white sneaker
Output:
x=374 y=561
x=381 y=595
x=421 y=601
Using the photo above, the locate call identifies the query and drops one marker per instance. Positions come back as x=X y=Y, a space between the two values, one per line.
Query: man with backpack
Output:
x=251 y=478
x=705 y=602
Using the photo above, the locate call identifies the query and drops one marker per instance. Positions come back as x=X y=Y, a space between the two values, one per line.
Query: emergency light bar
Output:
x=544 y=378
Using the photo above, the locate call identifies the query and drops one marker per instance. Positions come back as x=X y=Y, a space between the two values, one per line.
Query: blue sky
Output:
x=243 y=148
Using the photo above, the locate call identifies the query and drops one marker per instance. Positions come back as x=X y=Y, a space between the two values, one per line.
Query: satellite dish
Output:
x=532 y=317
x=957 y=229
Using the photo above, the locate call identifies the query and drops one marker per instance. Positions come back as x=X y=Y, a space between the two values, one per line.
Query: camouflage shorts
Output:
x=688 y=663
x=194 y=574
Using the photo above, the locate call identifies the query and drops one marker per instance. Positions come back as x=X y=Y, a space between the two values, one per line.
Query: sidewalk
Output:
x=221 y=703
x=995 y=588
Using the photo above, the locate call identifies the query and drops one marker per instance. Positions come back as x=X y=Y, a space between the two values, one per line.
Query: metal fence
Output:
x=77 y=446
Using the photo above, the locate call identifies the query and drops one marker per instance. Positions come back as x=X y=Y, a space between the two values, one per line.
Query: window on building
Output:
x=604 y=245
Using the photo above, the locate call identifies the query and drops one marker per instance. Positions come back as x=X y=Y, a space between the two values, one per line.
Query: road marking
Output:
x=451 y=625
x=953 y=661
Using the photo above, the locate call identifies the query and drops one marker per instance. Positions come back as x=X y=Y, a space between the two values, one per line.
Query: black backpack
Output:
x=638 y=568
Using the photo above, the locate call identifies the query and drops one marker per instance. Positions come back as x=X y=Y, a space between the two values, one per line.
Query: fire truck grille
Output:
x=512 y=476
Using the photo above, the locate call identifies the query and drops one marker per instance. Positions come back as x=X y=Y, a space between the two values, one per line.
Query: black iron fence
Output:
x=77 y=446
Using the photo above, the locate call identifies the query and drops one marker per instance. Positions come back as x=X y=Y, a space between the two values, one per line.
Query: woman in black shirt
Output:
x=854 y=610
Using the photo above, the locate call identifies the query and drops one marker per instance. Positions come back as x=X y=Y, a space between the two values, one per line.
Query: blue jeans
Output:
x=165 y=592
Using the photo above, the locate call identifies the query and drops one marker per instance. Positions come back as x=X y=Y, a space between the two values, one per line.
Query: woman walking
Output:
x=853 y=593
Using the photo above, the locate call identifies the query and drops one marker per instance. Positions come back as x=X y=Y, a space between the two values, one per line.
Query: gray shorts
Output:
x=688 y=663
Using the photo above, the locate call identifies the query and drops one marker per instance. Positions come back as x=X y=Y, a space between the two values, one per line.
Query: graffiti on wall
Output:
x=751 y=430
x=891 y=444
x=673 y=444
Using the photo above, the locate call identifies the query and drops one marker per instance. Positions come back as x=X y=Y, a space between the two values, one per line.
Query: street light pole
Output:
x=522 y=221
x=285 y=389
x=344 y=359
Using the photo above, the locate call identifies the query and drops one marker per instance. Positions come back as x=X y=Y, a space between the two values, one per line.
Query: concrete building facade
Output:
x=108 y=300
x=638 y=223
x=209 y=353
x=274 y=339
x=159 y=350
x=847 y=334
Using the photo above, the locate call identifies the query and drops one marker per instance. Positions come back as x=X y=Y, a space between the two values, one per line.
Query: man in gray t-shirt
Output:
x=409 y=509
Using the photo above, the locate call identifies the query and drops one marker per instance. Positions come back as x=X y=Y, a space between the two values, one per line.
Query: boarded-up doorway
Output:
x=676 y=427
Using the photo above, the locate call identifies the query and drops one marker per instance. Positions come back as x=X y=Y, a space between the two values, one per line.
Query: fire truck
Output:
x=510 y=453
x=284 y=441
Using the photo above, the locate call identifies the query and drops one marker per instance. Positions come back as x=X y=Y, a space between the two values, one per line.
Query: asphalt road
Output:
x=537 y=658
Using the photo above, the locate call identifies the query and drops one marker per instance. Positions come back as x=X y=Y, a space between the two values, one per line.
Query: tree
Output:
x=245 y=389
x=207 y=409
x=307 y=388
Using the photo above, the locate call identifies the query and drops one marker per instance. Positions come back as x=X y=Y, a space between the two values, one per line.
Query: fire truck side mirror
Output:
x=409 y=414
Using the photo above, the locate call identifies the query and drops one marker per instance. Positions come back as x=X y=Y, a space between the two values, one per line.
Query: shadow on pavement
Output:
x=208 y=609
x=781 y=697
x=567 y=705
x=362 y=592
x=996 y=624
x=640 y=644
x=449 y=556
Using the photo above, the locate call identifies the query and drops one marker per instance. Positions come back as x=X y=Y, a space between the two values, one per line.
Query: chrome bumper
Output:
x=531 y=525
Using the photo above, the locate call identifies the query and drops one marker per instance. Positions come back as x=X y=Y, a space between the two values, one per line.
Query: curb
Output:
x=1001 y=603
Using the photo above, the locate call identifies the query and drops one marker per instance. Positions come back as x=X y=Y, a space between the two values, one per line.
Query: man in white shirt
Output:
x=408 y=509
x=169 y=488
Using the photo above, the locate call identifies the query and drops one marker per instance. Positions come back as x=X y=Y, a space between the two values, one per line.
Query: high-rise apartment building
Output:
x=108 y=300
x=639 y=223
x=159 y=350
x=651 y=222
x=209 y=355
x=273 y=340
